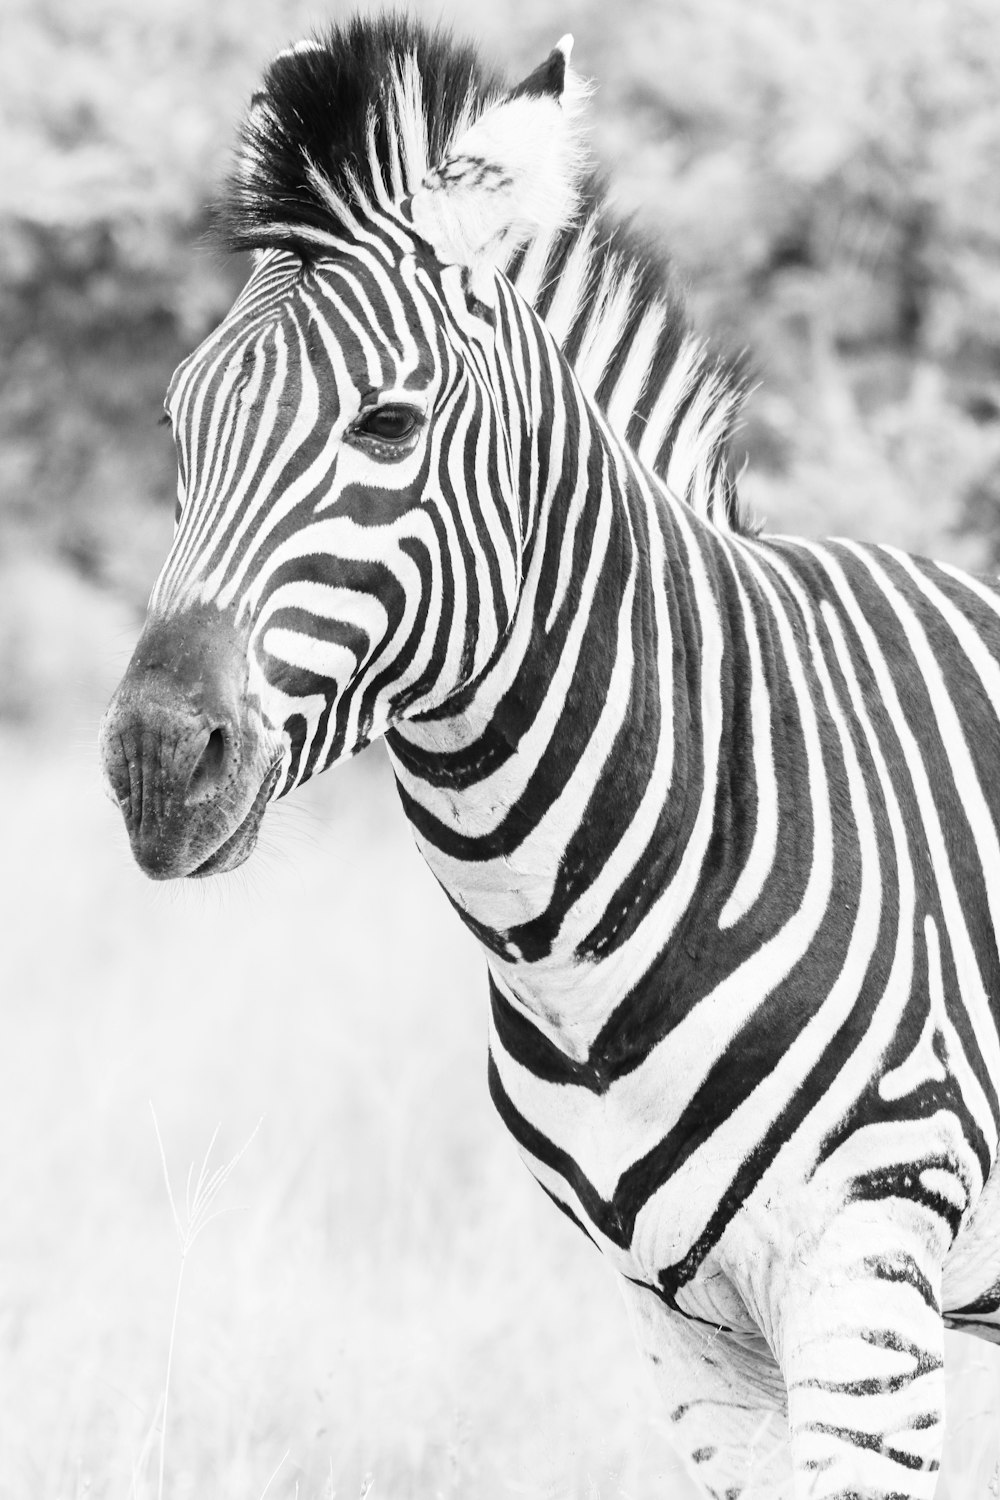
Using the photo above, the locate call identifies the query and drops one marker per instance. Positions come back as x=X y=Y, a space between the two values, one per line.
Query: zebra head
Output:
x=350 y=523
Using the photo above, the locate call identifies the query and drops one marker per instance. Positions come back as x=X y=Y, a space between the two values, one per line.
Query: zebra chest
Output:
x=598 y=1152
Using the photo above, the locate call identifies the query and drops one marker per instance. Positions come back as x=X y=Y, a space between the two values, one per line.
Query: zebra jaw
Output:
x=186 y=752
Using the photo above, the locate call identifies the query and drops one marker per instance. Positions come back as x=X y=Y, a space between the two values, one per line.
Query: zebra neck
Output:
x=556 y=804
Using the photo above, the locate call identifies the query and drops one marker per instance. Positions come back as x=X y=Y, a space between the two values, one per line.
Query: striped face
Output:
x=345 y=493
x=349 y=539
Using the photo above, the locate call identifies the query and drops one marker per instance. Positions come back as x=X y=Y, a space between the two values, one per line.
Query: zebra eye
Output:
x=390 y=424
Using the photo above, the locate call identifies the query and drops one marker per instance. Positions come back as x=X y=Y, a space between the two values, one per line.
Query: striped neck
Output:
x=556 y=798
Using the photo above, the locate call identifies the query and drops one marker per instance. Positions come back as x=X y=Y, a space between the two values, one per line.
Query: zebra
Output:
x=720 y=807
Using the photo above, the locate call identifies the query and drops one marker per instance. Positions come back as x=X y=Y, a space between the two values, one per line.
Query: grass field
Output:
x=387 y=1304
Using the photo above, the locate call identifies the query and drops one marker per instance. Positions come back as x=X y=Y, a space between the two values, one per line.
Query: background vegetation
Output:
x=391 y=1297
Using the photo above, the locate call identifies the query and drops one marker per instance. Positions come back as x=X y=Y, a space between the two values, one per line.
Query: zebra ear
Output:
x=513 y=174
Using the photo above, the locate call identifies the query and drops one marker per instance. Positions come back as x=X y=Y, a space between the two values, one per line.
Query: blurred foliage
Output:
x=826 y=173
x=830 y=180
x=104 y=283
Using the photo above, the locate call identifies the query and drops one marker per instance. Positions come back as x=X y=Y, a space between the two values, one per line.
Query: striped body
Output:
x=826 y=965
x=720 y=808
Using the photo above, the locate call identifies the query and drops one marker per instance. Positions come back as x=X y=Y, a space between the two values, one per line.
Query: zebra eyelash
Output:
x=164 y=420
x=363 y=430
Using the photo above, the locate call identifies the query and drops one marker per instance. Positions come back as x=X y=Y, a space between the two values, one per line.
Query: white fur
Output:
x=511 y=176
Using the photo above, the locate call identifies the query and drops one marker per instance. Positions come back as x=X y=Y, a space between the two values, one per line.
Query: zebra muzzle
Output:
x=186 y=753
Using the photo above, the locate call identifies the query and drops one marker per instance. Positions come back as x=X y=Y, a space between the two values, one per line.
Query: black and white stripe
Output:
x=722 y=808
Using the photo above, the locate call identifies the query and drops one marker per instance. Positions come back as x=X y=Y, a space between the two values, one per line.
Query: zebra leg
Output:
x=858 y=1331
x=725 y=1397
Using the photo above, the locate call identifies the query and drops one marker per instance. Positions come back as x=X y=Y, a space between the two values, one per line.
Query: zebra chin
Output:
x=240 y=844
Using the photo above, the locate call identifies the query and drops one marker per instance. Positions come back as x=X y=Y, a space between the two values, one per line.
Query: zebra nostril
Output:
x=211 y=765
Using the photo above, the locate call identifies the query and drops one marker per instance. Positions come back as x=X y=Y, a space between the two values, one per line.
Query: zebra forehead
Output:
x=324 y=317
x=353 y=115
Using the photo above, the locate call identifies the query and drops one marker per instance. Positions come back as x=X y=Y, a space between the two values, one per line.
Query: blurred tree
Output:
x=829 y=183
x=827 y=173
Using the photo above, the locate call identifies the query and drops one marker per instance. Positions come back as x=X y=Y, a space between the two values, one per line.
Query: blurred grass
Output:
x=387 y=1293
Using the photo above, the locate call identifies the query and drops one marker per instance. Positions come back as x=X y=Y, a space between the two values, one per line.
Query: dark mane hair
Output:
x=353 y=117
x=316 y=106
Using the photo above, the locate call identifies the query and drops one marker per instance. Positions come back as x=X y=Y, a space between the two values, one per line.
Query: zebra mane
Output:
x=611 y=300
x=353 y=119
